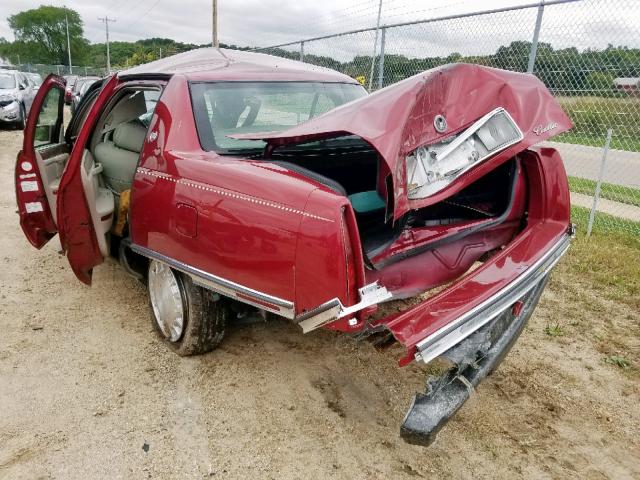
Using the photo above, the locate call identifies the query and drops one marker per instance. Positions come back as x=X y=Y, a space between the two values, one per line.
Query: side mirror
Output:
x=22 y=86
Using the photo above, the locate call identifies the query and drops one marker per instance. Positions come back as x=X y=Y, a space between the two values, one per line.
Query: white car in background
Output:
x=16 y=96
x=36 y=80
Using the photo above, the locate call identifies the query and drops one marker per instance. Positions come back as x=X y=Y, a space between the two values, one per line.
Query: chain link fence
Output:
x=43 y=70
x=587 y=52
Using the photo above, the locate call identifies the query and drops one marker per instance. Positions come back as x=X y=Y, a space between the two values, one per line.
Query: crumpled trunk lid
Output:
x=398 y=119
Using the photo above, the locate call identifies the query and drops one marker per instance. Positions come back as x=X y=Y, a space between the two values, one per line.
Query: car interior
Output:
x=109 y=160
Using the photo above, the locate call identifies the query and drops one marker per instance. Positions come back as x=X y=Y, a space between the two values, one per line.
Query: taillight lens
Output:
x=430 y=168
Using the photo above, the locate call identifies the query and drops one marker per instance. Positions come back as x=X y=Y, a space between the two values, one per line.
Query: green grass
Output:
x=554 y=330
x=617 y=193
x=609 y=257
x=592 y=116
x=607 y=224
x=581 y=138
x=618 y=361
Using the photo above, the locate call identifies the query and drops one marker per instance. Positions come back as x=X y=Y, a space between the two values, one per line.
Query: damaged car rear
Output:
x=439 y=184
x=232 y=181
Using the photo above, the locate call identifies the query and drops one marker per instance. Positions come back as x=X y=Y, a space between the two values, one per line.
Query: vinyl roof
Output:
x=224 y=64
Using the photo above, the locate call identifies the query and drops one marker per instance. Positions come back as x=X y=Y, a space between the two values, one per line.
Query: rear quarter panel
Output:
x=233 y=218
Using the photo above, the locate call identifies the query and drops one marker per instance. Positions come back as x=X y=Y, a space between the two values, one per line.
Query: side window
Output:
x=150 y=100
x=50 y=119
x=80 y=115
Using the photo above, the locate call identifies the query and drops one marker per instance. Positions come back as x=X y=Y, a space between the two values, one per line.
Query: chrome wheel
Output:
x=166 y=300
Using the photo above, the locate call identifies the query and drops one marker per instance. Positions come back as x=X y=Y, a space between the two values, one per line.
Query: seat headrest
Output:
x=130 y=136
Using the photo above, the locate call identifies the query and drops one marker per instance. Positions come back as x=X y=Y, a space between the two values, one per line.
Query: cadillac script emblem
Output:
x=540 y=129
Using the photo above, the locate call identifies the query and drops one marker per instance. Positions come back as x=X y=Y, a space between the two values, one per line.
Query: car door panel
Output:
x=33 y=178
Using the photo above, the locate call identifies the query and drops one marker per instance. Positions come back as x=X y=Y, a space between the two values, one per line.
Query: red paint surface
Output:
x=270 y=229
x=549 y=216
x=398 y=119
x=38 y=227
x=249 y=212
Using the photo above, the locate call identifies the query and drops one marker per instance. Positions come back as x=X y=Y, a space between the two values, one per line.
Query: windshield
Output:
x=226 y=108
x=7 y=80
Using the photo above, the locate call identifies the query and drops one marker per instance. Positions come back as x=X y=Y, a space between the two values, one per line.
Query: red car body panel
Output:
x=398 y=119
x=278 y=233
x=38 y=226
x=284 y=238
x=549 y=217
x=248 y=238
x=288 y=240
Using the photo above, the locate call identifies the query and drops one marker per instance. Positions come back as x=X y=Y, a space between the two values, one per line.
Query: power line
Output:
x=141 y=15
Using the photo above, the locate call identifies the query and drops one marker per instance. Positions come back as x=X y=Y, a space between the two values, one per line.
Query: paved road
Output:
x=622 y=168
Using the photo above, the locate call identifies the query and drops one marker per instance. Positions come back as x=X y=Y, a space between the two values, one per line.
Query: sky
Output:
x=594 y=23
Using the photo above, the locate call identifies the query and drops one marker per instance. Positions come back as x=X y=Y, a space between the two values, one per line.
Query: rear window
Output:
x=226 y=108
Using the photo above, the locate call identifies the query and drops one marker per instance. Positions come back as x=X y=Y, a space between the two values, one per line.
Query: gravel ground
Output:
x=87 y=390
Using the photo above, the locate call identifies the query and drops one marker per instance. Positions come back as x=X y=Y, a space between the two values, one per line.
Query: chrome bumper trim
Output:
x=453 y=333
x=333 y=309
x=223 y=286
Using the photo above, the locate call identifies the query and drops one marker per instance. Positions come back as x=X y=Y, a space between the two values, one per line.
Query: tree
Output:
x=42 y=36
x=600 y=83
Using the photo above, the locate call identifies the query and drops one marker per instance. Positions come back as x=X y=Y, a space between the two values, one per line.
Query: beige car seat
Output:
x=119 y=156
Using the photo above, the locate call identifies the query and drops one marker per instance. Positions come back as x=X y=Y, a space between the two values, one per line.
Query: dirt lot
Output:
x=85 y=384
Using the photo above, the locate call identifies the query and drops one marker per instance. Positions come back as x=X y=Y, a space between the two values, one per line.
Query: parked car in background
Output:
x=36 y=80
x=16 y=96
x=234 y=183
x=70 y=82
x=79 y=89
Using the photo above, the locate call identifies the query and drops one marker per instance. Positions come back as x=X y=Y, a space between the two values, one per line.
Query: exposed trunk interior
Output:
x=351 y=167
x=349 y=161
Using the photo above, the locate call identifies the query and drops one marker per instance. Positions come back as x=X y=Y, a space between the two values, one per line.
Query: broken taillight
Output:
x=430 y=168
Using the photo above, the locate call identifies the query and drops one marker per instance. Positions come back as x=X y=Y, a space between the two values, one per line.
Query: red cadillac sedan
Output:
x=232 y=183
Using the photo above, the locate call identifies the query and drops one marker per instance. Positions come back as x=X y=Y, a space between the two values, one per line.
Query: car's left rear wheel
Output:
x=191 y=319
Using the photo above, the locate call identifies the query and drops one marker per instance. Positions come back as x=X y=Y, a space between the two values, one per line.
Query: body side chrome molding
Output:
x=223 y=286
x=308 y=321
x=333 y=309
x=442 y=340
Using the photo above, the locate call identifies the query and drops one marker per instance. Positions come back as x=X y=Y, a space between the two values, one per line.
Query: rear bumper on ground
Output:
x=476 y=342
x=475 y=357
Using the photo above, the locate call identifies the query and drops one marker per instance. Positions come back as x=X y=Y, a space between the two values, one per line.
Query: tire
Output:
x=22 y=123
x=204 y=313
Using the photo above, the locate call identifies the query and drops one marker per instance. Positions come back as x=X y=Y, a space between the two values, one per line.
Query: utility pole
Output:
x=66 y=21
x=106 y=21
x=214 y=30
